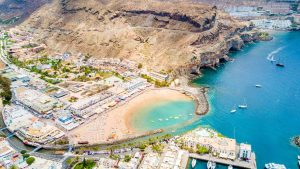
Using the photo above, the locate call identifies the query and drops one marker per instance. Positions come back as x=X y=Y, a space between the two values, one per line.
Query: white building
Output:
x=245 y=151
x=158 y=76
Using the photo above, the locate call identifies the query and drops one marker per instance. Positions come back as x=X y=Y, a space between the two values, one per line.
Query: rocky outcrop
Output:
x=181 y=36
x=296 y=141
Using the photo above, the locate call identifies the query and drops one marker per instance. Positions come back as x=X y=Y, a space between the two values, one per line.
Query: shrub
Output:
x=30 y=160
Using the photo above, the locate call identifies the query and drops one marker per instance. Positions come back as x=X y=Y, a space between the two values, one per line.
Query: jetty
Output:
x=235 y=163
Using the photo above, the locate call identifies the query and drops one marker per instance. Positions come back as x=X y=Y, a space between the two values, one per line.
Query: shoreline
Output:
x=117 y=123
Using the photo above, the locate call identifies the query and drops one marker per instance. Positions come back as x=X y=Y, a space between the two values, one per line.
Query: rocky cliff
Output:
x=179 y=36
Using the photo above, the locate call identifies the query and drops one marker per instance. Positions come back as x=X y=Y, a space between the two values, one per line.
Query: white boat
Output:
x=233 y=110
x=214 y=165
x=230 y=167
x=298 y=157
x=194 y=161
x=274 y=166
x=244 y=105
x=258 y=86
x=209 y=165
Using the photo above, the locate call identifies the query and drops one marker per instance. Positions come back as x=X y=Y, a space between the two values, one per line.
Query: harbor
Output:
x=235 y=163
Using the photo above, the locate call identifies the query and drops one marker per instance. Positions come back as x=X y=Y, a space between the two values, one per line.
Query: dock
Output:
x=236 y=163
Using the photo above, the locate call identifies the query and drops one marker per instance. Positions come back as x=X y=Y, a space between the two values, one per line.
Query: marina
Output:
x=272 y=110
x=236 y=163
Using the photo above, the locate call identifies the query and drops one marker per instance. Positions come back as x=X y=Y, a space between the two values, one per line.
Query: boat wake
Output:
x=273 y=53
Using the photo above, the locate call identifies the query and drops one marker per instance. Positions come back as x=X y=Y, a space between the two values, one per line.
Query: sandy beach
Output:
x=115 y=125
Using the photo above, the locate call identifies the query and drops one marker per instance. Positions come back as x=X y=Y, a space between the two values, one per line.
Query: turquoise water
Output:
x=273 y=114
x=164 y=115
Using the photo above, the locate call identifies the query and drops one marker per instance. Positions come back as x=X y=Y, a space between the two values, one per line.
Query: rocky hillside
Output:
x=169 y=35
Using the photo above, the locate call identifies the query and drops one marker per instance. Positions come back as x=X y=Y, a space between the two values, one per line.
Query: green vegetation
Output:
x=156 y=82
x=30 y=160
x=127 y=158
x=14 y=167
x=114 y=156
x=220 y=135
x=158 y=148
x=72 y=161
x=202 y=150
x=86 y=164
x=5 y=92
x=23 y=152
x=25 y=156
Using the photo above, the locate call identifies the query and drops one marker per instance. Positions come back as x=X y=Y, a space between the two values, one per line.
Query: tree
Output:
x=30 y=160
x=25 y=156
x=23 y=152
x=127 y=158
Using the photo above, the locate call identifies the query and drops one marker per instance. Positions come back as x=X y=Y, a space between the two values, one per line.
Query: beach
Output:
x=116 y=124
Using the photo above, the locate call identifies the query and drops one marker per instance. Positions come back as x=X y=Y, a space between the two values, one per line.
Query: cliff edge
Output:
x=176 y=36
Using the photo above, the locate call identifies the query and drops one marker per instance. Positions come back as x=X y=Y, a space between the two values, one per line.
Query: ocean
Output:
x=273 y=114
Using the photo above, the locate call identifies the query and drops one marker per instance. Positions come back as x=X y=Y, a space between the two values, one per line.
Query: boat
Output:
x=258 y=86
x=274 y=166
x=214 y=165
x=194 y=161
x=233 y=110
x=209 y=165
x=230 y=167
x=279 y=64
x=244 y=105
x=298 y=157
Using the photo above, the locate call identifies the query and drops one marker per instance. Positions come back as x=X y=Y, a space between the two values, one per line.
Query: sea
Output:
x=272 y=118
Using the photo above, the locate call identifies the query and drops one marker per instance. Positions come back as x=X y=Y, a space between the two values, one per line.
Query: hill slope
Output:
x=170 y=35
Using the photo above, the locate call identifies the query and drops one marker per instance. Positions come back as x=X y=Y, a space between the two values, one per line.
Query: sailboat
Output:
x=244 y=105
x=194 y=161
x=233 y=110
x=230 y=167
x=279 y=64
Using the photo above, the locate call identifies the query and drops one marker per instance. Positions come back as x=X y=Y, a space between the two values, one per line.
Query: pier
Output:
x=236 y=163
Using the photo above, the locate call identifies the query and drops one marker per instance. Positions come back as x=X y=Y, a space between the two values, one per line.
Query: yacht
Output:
x=258 y=86
x=214 y=165
x=230 y=167
x=233 y=110
x=194 y=161
x=274 y=166
x=244 y=105
x=211 y=165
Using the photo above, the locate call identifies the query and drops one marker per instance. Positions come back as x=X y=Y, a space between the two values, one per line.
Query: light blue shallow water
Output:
x=273 y=114
x=163 y=115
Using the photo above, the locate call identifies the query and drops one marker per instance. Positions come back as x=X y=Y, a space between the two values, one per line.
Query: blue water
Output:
x=164 y=115
x=273 y=114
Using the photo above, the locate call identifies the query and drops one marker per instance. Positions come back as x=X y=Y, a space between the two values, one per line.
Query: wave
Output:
x=273 y=53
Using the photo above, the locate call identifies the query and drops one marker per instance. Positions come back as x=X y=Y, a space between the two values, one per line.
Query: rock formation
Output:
x=172 y=35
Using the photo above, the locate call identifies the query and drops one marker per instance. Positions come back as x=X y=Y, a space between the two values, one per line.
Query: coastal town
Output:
x=56 y=100
x=61 y=109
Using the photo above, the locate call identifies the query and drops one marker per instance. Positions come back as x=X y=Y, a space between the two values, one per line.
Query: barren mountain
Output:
x=169 y=35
